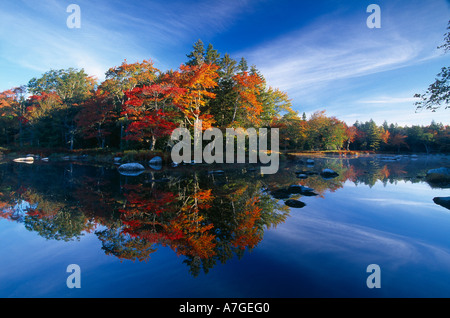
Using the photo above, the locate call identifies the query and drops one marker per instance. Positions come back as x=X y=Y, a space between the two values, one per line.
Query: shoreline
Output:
x=106 y=156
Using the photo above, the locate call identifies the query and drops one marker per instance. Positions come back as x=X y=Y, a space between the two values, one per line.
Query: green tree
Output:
x=197 y=56
x=212 y=56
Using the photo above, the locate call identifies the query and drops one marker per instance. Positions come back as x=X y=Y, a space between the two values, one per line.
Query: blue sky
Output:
x=320 y=52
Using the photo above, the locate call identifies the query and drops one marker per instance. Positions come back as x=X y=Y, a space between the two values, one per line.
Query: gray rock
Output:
x=439 y=177
x=444 y=171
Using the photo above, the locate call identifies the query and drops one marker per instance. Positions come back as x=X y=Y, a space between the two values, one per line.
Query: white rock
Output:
x=25 y=160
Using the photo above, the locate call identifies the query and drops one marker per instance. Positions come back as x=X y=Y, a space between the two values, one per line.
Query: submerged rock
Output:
x=328 y=173
x=309 y=194
x=442 y=201
x=216 y=172
x=280 y=194
x=299 y=189
x=295 y=203
x=130 y=173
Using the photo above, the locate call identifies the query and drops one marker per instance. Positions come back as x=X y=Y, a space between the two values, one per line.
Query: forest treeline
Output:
x=137 y=106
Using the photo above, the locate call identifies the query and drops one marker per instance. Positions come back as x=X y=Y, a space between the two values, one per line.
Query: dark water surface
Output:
x=187 y=232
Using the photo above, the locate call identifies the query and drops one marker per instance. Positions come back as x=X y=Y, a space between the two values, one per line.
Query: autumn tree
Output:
x=72 y=86
x=398 y=141
x=12 y=109
x=96 y=117
x=197 y=81
x=247 y=107
x=148 y=112
x=350 y=134
x=123 y=78
x=325 y=132
x=45 y=120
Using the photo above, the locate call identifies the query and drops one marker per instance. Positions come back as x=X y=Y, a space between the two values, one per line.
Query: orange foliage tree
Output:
x=196 y=82
x=247 y=103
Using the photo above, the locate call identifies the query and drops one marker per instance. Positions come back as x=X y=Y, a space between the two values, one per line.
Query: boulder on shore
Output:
x=442 y=201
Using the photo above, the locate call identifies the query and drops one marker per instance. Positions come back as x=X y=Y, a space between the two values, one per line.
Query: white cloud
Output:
x=333 y=63
x=389 y=100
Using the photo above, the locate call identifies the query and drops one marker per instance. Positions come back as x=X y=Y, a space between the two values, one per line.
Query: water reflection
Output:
x=207 y=218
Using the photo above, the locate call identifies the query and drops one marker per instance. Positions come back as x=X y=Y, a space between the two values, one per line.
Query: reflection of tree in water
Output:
x=187 y=217
x=51 y=219
x=205 y=218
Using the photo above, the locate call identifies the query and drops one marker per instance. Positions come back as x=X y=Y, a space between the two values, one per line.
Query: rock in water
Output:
x=155 y=163
x=328 y=173
x=439 y=176
x=442 y=201
x=131 y=167
x=300 y=189
x=25 y=160
x=280 y=194
x=216 y=172
x=294 y=203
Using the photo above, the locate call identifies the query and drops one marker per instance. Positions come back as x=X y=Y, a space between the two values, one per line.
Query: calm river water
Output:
x=189 y=232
